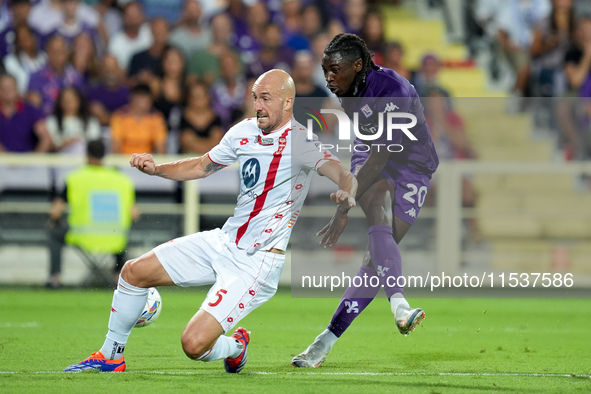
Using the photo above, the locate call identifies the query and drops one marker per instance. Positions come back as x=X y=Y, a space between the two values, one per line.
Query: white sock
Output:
x=327 y=337
x=398 y=300
x=128 y=304
x=224 y=347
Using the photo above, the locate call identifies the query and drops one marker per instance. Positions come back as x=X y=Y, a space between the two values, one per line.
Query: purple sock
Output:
x=385 y=256
x=354 y=301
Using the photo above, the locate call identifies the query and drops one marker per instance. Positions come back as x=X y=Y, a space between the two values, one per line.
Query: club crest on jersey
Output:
x=264 y=141
x=366 y=111
x=251 y=171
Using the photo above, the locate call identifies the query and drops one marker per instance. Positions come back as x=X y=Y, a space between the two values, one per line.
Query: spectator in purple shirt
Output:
x=22 y=126
x=273 y=53
x=111 y=93
x=45 y=84
x=19 y=11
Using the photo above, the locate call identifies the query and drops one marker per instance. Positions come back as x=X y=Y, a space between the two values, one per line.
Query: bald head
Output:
x=273 y=94
x=277 y=80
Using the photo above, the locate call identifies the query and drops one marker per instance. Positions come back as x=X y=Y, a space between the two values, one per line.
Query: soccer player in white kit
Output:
x=244 y=259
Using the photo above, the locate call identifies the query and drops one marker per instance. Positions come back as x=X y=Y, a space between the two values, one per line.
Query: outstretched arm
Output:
x=345 y=196
x=181 y=170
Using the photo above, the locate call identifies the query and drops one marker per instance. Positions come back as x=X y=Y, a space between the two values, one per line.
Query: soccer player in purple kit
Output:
x=392 y=185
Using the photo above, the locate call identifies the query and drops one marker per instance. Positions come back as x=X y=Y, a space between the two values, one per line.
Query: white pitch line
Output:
x=491 y=374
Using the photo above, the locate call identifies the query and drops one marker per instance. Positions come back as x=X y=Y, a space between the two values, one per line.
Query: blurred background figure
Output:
x=22 y=126
x=84 y=59
x=551 y=40
x=45 y=84
x=135 y=36
x=146 y=65
x=394 y=59
x=71 y=125
x=373 y=34
x=201 y=127
x=273 y=54
x=427 y=78
x=89 y=190
x=168 y=91
x=292 y=24
x=192 y=34
x=110 y=93
x=517 y=20
x=138 y=127
x=26 y=59
x=302 y=74
x=71 y=26
x=16 y=14
x=204 y=64
x=228 y=92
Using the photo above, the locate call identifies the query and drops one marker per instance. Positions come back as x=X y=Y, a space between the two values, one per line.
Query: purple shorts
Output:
x=411 y=187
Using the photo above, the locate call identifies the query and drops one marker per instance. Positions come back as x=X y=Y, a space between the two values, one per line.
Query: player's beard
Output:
x=270 y=126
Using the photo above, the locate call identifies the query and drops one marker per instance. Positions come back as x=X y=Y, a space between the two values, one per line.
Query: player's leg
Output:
x=184 y=261
x=244 y=282
x=355 y=299
x=129 y=299
x=203 y=340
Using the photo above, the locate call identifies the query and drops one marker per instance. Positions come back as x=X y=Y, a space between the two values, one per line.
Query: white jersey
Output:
x=275 y=174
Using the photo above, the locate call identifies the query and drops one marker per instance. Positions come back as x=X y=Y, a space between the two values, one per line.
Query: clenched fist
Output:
x=143 y=162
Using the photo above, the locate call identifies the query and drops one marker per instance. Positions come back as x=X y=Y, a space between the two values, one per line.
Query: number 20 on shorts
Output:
x=421 y=193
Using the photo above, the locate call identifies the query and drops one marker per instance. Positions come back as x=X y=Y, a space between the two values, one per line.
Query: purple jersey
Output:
x=386 y=91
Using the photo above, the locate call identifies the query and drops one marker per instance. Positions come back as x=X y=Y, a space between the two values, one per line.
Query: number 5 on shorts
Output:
x=219 y=295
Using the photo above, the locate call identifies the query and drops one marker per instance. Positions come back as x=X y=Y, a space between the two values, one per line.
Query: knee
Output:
x=194 y=346
x=131 y=273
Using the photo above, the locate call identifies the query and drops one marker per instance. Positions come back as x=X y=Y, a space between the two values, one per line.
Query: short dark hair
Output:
x=351 y=47
x=96 y=149
x=141 y=88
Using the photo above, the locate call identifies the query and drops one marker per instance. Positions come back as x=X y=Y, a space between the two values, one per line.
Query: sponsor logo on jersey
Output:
x=264 y=141
x=251 y=171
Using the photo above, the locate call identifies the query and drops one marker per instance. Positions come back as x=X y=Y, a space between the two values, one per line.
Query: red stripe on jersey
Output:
x=269 y=182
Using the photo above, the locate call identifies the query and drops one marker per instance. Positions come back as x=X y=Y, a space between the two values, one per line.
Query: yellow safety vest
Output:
x=100 y=201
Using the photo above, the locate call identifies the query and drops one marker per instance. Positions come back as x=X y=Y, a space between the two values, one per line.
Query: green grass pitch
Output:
x=464 y=345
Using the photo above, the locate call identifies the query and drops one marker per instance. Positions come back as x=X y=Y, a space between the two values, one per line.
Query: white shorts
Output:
x=242 y=282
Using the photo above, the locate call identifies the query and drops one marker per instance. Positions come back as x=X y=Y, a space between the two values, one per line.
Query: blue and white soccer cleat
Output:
x=98 y=362
x=235 y=365
x=408 y=319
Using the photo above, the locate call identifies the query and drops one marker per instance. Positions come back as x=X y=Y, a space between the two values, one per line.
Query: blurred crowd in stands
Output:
x=547 y=44
x=155 y=76
x=172 y=76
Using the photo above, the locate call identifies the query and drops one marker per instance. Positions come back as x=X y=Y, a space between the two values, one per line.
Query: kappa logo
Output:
x=382 y=270
x=251 y=171
x=411 y=212
x=352 y=307
x=391 y=107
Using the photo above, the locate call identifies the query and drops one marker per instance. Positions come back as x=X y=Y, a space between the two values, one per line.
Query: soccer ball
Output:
x=151 y=310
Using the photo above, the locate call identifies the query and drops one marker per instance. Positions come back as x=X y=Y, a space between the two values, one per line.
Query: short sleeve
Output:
x=310 y=154
x=224 y=152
